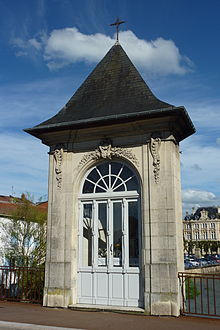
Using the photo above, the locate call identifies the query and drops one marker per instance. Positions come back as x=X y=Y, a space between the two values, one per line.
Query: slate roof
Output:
x=113 y=90
x=212 y=213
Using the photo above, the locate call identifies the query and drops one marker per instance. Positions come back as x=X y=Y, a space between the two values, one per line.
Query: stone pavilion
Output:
x=114 y=210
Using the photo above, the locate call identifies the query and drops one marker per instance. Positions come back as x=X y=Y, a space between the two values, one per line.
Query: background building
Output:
x=22 y=231
x=203 y=225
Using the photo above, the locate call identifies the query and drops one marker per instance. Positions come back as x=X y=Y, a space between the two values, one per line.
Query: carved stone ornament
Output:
x=106 y=151
x=58 y=156
x=154 y=149
x=204 y=215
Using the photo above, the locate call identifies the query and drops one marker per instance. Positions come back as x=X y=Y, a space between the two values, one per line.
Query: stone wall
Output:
x=215 y=269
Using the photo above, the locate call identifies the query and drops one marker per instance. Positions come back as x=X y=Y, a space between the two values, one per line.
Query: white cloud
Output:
x=197 y=196
x=204 y=153
x=69 y=45
x=36 y=44
x=158 y=56
x=29 y=47
x=204 y=113
x=193 y=199
x=19 y=42
x=200 y=172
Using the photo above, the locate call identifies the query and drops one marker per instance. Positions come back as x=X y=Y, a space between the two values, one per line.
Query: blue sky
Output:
x=48 y=47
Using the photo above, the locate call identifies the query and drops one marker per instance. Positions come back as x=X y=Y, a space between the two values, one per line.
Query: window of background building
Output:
x=213 y=235
x=197 y=235
x=205 y=235
x=189 y=237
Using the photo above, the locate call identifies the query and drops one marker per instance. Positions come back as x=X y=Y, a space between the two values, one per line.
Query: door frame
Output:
x=90 y=275
x=124 y=270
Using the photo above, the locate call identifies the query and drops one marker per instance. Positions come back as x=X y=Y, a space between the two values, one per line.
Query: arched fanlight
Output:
x=110 y=177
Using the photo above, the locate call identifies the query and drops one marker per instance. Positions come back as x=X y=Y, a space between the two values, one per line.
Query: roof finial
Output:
x=117 y=23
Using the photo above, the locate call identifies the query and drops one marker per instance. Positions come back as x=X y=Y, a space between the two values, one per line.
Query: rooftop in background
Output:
x=204 y=213
x=9 y=204
x=42 y=205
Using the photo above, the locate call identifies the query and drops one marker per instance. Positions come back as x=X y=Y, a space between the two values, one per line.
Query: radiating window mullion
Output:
x=102 y=180
x=124 y=182
x=90 y=181
x=131 y=177
x=109 y=175
x=117 y=176
x=101 y=177
x=97 y=185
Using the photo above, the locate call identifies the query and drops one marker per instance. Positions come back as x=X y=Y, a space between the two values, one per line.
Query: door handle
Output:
x=111 y=248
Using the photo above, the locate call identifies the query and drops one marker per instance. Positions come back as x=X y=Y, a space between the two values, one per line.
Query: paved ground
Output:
x=26 y=316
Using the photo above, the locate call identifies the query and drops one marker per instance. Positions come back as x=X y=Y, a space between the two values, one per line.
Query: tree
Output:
x=191 y=289
x=185 y=244
x=214 y=246
x=200 y=245
x=189 y=246
x=24 y=234
x=207 y=246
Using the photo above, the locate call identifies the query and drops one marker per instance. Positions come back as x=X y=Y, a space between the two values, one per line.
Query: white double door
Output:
x=109 y=245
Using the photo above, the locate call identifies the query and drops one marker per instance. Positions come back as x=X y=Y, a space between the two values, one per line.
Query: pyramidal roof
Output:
x=113 y=90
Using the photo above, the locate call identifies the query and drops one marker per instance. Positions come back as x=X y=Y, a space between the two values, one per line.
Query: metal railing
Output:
x=200 y=294
x=21 y=284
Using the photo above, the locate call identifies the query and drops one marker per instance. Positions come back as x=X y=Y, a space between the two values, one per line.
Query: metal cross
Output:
x=117 y=23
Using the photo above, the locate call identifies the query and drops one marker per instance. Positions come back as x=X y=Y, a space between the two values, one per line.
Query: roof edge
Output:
x=97 y=121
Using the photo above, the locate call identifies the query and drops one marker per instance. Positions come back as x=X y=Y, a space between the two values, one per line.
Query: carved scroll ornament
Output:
x=58 y=156
x=106 y=151
x=154 y=149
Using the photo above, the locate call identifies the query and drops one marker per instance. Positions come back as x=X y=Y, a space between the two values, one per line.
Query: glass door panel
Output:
x=117 y=234
x=106 y=236
x=87 y=235
x=102 y=234
x=133 y=226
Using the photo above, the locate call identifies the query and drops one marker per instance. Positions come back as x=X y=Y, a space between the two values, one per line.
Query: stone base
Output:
x=57 y=297
x=161 y=304
x=165 y=308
